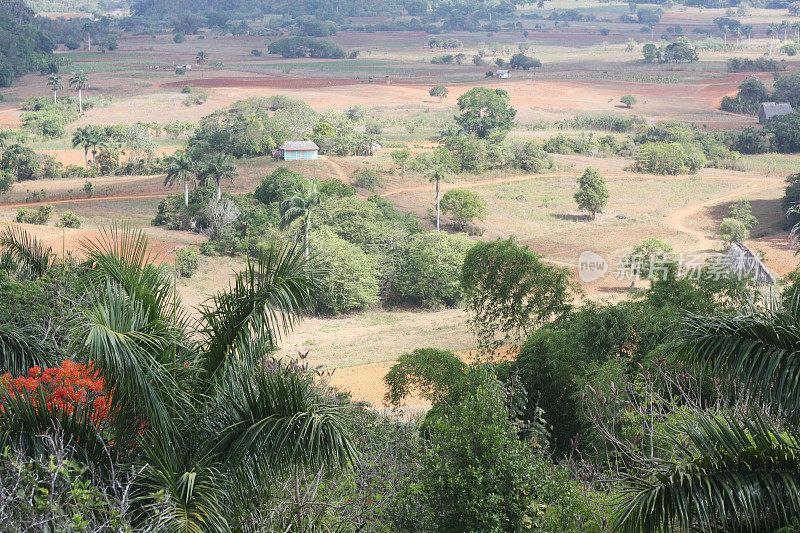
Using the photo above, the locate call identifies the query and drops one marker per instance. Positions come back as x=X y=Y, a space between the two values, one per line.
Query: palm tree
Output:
x=437 y=177
x=217 y=169
x=78 y=81
x=84 y=137
x=201 y=58
x=97 y=140
x=784 y=25
x=772 y=31
x=300 y=206
x=55 y=84
x=731 y=474
x=180 y=167
x=202 y=407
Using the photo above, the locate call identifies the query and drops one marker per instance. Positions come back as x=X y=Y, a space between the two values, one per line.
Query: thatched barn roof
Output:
x=745 y=264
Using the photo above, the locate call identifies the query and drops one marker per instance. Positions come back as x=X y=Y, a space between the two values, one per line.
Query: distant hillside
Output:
x=23 y=46
x=346 y=8
x=76 y=6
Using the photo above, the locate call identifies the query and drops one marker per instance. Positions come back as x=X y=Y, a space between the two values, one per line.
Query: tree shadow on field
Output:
x=572 y=217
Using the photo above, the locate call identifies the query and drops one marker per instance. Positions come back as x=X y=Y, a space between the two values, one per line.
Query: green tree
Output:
x=465 y=205
x=592 y=192
x=438 y=91
x=55 y=84
x=300 y=206
x=350 y=282
x=741 y=211
x=201 y=58
x=629 y=100
x=218 y=168
x=509 y=291
x=428 y=268
x=648 y=259
x=651 y=53
x=400 y=158
x=485 y=113
x=477 y=474
x=78 y=81
x=181 y=168
x=521 y=61
x=733 y=230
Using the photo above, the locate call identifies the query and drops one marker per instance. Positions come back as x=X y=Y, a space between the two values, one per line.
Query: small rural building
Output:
x=297 y=151
x=744 y=264
x=502 y=74
x=773 y=109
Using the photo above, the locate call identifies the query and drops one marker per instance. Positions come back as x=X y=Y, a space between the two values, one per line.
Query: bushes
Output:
x=668 y=158
x=278 y=185
x=186 y=261
x=759 y=64
x=38 y=216
x=428 y=269
x=367 y=177
x=291 y=47
x=350 y=282
x=69 y=220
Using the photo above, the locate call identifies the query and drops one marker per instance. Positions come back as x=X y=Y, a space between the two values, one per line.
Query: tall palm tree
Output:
x=201 y=406
x=84 y=137
x=217 y=169
x=181 y=168
x=97 y=138
x=55 y=84
x=79 y=81
x=300 y=206
x=201 y=58
x=731 y=474
x=436 y=177
x=772 y=31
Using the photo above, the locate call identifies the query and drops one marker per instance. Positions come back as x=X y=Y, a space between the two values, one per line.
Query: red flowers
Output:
x=64 y=388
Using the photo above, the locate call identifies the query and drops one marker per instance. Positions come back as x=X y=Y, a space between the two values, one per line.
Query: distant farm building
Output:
x=744 y=264
x=773 y=109
x=297 y=151
x=502 y=74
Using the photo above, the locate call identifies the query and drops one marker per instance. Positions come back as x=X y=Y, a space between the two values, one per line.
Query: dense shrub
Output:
x=291 y=47
x=477 y=474
x=187 y=260
x=367 y=177
x=69 y=220
x=668 y=158
x=428 y=269
x=350 y=282
x=39 y=216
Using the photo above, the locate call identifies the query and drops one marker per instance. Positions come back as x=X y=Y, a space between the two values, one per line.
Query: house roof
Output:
x=745 y=264
x=298 y=145
x=772 y=109
x=501 y=72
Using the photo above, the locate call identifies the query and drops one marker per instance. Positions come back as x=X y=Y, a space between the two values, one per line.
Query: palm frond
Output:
x=731 y=476
x=121 y=253
x=758 y=347
x=138 y=358
x=193 y=493
x=264 y=302
x=21 y=349
x=276 y=417
x=33 y=258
